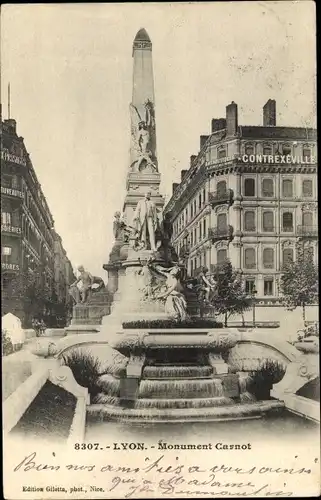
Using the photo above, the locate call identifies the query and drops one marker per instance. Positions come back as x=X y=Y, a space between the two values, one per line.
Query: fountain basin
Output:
x=103 y=412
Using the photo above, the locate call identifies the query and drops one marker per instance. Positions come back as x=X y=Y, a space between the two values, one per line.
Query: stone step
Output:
x=243 y=411
x=181 y=388
x=174 y=372
x=141 y=403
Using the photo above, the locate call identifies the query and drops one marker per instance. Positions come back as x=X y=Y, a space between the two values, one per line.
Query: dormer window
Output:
x=267 y=149
x=306 y=153
x=249 y=149
x=221 y=153
x=286 y=149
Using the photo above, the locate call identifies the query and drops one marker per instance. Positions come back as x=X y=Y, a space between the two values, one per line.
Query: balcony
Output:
x=220 y=233
x=219 y=197
x=307 y=231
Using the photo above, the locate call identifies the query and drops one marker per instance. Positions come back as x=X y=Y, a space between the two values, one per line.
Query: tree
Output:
x=299 y=281
x=229 y=296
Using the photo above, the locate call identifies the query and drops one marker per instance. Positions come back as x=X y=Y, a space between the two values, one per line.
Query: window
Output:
x=204 y=228
x=307 y=188
x=200 y=201
x=204 y=195
x=194 y=207
x=249 y=258
x=249 y=187
x=6 y=218
x=287 y=222
x=221 y=187
x=221 y=153
x=287 y=188
x=249 y=149
x=307 y=219
x=287 y=255
x=195 y=236
x=6 y=250
x=286 y=150
x=249 y=286
x=268 y=221
x=221 y=255
x=200 y=231
x=268 y=258
x=267 y=149
x=267 y=188
x=15 y=182
x=222 y=221
x=268 y=286
x=6 y=181
x=249 y=221
x=306 y=153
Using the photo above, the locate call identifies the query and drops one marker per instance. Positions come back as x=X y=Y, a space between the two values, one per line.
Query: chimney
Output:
x=231 y=119
x=183 y=173
x=218 y=124
x=11 y=124
x=203 y=139
x=174 y=186
x=192 y=159
x=269 y=113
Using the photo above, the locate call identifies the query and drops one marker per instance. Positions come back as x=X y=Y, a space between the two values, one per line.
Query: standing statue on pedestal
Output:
x=81 y=296
x=146 y=222
x=206 y=286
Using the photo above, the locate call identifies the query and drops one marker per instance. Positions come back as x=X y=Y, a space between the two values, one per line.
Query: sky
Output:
x=70 y=73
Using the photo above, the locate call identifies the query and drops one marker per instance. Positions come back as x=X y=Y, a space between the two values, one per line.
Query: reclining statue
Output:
x=81 y=296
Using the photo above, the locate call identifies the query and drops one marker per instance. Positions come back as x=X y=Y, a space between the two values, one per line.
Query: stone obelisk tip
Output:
x=142 y=36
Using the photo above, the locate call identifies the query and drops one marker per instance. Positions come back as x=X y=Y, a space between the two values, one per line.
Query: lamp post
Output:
x=253 y=293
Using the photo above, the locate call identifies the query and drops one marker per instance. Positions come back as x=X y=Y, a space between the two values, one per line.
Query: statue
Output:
x=206 y=286
x=145 y=223
x=144 y=138
x=120 y=229
x=163 y=239
x=81 y=296
x=171 y=293
x=168 y=290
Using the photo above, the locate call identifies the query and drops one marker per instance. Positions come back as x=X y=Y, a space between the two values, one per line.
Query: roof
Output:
x=142 y=36
x=288 y=133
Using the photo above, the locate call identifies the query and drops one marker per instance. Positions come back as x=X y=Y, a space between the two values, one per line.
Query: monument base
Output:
x=87 y=317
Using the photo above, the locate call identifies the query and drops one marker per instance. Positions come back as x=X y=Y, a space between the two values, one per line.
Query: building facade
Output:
x=249 y=196
x=28 y=240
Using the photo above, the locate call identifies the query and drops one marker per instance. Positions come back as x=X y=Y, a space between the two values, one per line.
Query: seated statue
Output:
x=170 y=291
x=88 y=281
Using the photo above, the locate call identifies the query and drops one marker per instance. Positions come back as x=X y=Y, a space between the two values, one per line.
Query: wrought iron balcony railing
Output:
x=307 y=231
x=218 y=197
x=220 y=233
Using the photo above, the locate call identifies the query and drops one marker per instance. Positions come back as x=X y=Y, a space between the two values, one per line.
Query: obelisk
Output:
x=143 y=173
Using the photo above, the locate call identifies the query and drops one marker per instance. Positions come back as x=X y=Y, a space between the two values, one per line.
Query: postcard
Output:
x=159 y=225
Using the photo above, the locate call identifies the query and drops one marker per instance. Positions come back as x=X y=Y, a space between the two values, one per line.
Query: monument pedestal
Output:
x=131 y=301
x=87 y=317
